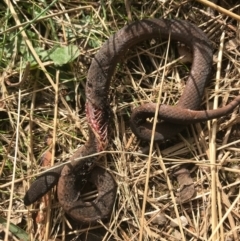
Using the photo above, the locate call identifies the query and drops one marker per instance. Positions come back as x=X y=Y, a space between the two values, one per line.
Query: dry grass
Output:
x=39 y=107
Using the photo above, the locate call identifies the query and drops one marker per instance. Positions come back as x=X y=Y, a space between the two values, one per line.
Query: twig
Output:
x=220 y=9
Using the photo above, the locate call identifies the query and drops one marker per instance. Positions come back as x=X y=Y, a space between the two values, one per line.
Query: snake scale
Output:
x=97 y=111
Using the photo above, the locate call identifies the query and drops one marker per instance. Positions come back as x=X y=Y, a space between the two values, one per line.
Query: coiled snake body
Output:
x=97 y=110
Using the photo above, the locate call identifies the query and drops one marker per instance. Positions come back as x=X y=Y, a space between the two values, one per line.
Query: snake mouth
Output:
x=98 y=122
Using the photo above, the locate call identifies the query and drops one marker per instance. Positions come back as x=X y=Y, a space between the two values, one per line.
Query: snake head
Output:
x=42 y=185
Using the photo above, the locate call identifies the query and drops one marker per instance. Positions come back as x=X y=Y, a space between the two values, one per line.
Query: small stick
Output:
x=220 y=9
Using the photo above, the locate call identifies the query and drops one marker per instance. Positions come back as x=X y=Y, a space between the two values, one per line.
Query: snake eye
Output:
x=89 y=84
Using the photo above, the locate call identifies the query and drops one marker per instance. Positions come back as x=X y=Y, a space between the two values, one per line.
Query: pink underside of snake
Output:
x=97 y=109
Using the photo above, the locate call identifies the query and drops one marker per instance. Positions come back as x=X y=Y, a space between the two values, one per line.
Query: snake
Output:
x=84 y=161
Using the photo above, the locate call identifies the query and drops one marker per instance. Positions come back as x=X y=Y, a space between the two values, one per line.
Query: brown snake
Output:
x=97 y=110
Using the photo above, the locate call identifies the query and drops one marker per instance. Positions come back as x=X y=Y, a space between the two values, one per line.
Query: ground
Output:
x=46 y=50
